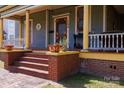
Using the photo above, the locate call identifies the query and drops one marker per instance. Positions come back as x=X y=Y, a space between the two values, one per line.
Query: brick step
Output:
x=38 y=55
x=34 y=59
x=30 y=71
x=32 y=65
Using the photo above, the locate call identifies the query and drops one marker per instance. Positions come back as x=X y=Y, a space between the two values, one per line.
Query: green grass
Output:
x=86 y=81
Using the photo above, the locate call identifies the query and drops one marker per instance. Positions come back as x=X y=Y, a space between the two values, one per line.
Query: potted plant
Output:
x=54 y=48
x=9 y=47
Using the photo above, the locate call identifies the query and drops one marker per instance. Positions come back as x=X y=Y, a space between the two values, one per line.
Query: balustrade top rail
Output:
x=121 y=33
x=107 y=41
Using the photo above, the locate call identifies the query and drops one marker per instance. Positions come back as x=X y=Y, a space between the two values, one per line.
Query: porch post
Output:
x=47 y=27
x=20 y=32
x=1 y=32
x=86 y=27
x=27 y=34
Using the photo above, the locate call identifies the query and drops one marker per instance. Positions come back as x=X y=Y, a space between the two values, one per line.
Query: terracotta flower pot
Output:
x=51 y=49
x=9 y=47
x=54 y=48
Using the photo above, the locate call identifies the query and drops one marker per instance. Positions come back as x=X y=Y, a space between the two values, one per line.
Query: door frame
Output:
x=68 y=26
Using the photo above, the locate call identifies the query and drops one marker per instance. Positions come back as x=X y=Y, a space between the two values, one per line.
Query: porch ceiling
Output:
x=38 y=8
x=6 y=7
x=41 y=8
x=119 y=8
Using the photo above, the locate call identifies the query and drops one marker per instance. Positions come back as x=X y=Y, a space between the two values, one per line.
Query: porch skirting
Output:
x=103 y=68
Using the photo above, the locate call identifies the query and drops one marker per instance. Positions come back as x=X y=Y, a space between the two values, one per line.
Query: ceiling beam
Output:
x=16 y=17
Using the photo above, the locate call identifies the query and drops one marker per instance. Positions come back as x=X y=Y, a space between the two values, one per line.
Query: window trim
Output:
x=90 y=18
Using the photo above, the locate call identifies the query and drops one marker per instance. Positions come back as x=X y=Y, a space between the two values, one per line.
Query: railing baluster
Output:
x=97 y=41
x=101 y=41
x=90 y=41
x=112 y=41
x=121 y=40
x=94 y=41
x=105 y=41
x=117 y=41
x=109 y=37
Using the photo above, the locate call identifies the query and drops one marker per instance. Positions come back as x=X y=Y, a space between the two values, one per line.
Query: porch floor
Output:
x=102 y=55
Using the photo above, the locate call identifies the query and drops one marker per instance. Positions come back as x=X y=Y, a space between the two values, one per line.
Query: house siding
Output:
x=97 y=19
x=16 y=29
x=39 y=36
x=113 y=22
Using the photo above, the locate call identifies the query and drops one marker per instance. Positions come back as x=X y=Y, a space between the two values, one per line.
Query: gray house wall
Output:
x=39 y=36
x=97 y=19
x=113 y=19
x=16 y=29
x=40 y=17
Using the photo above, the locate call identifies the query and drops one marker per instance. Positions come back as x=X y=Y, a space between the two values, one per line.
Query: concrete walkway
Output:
x=17 y=80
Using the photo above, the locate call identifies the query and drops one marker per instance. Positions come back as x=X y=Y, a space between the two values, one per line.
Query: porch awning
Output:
x=17 y=10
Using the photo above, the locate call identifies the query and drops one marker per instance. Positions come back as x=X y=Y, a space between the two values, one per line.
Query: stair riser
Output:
x=33 y=66
x=31 y=73
x=34 y=60
x=35 y=55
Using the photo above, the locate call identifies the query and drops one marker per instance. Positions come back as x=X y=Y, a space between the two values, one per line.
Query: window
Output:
x=79 y=19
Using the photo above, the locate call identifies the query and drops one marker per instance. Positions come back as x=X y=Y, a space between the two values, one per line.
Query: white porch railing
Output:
x=109 y=41
x=17 y=43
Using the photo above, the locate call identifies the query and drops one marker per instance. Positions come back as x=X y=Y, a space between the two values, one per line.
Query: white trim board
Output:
x=76 y=7
x=47 y=28
x=104 y=18
x=90 y=18
x=61 y=15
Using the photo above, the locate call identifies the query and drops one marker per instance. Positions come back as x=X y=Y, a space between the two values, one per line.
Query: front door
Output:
x=61 y=31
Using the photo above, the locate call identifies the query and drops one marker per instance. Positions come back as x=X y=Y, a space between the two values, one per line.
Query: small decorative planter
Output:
x=9 y=47
x=54 y=48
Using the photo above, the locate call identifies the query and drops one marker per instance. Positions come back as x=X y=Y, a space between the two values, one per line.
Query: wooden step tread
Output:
x=33 y=70
x=33 y=63
x=35 y=58
x=37 y=53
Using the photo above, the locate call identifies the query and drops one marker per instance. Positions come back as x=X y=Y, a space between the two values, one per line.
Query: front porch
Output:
x=104 y=33
x=39 y=28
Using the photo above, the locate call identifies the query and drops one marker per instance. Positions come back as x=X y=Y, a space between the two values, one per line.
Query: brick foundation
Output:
x=9 y=57
x=63 y=66
x=103 y=67
x=59 y=66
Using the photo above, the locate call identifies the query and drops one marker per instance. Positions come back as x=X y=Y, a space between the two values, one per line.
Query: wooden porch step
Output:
x=32 y=65
x=31 y=71
x=34 y=59
x=38 y=55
